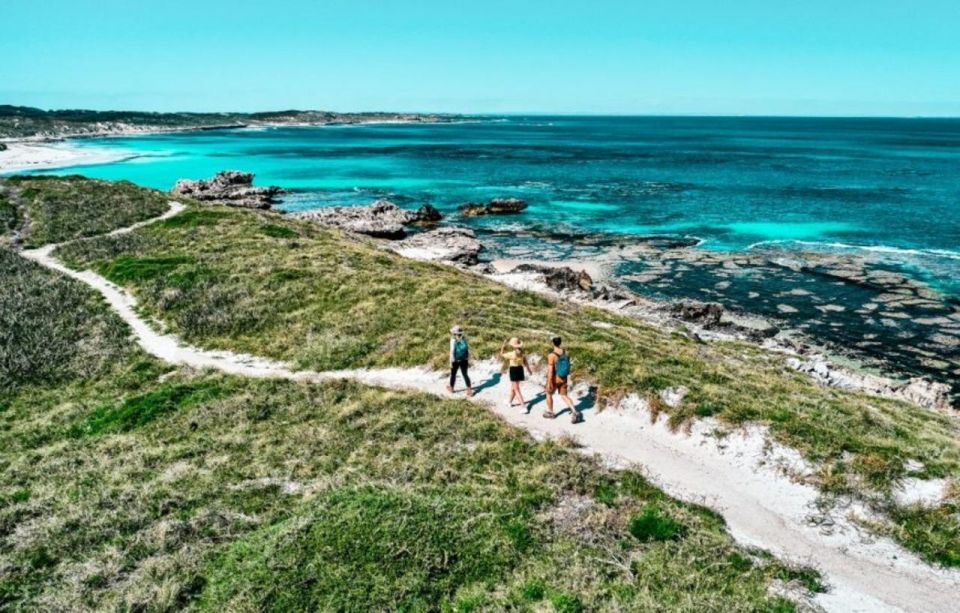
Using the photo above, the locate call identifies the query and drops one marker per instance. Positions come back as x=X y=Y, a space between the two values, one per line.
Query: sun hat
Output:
x=456 y=330
x=516 y=342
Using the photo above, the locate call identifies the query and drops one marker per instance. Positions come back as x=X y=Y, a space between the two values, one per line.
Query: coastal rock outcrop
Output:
x=706 y=314
x=229 y=187
x=456 y=245
x=497 y=206
x=561 y=278
x=382 y=219
x=920 y=391
x=428 y=214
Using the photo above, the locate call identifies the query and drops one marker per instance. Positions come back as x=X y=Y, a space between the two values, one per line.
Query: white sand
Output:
x=742 y=474
x=36 y=156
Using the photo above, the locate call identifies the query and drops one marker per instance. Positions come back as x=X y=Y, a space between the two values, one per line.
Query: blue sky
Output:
x=813 y=57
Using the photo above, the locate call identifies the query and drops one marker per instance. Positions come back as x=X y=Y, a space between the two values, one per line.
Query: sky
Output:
x=738 y=57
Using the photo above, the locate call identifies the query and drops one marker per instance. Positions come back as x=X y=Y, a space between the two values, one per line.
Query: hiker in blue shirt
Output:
x=558 y=374
x=459 y=359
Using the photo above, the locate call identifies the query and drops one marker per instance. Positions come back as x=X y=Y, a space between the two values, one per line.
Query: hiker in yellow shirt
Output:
x=517 y=361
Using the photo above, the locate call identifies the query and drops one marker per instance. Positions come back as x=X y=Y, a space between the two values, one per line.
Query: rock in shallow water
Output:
x=497 y=206
x=382 y=219
x=229 y=187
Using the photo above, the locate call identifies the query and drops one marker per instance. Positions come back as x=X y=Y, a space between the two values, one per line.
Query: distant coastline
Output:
x=32 y=138
x=21 y=123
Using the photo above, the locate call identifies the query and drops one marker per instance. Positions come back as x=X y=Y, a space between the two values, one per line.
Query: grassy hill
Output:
x=126 y=484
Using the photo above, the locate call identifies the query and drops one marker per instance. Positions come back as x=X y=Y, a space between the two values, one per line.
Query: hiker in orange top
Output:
x=517 y=360
x=558 y=376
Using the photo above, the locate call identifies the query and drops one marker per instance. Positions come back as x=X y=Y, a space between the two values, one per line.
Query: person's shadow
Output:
x=540 y=397
x=493 y=381
x=586 y=403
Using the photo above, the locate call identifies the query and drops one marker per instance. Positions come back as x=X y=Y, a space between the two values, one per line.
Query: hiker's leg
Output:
x=453 y=375
x=463 y=370
x=549 y=399
x=516 y=385
x=567 y=400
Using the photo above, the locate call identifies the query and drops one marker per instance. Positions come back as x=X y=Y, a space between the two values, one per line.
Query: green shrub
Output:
x=652 y=524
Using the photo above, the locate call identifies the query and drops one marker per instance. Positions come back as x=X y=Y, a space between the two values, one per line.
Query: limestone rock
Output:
x=229 y=187
x=428 y=214
x=706 y=314
x=561 y=278
x=382 y=219
x=497 y=206
x=457 y=245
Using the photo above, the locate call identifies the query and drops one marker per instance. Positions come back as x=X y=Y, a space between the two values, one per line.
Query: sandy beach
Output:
x=20 y=156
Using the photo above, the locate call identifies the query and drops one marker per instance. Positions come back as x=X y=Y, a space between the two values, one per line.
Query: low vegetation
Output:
x=52 y=329
x=126 y=484
x=49 y=209
x=230 y=279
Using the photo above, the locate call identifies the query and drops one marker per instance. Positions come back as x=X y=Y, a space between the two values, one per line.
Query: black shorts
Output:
x=516 y=373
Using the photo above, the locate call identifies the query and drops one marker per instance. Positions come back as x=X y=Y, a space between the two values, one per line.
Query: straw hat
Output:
x=456 y=330
x=516 y=343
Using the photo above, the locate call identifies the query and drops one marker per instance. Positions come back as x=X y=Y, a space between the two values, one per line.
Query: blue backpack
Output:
x=460 y=350
x=562 y=367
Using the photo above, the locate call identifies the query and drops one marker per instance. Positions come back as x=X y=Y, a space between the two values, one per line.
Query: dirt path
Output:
x=740 y=475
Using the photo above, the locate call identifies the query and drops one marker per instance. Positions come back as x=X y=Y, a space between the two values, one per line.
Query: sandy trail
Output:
x=741 y=475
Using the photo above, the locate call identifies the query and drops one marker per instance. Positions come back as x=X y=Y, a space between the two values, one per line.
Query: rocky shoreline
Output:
x=411 y=234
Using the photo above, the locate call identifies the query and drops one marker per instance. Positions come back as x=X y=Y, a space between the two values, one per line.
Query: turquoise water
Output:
x=733 y=182
x=883 y=189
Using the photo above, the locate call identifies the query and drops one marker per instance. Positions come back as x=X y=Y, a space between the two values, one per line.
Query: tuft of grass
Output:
x=933 y=532
x=653 y=525
x=278 y=231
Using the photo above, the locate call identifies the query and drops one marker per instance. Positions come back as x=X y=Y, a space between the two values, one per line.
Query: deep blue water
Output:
x=887 y=190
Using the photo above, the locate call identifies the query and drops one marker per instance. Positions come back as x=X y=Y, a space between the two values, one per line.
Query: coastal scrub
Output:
x=321 y=300
x=127 y=484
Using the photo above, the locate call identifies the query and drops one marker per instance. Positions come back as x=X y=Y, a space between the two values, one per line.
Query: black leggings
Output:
x=462 y=366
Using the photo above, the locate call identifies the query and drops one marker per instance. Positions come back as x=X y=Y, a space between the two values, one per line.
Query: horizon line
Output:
x=666 y=114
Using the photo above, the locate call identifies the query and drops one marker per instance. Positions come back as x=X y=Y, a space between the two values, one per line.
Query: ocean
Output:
x=847 y=230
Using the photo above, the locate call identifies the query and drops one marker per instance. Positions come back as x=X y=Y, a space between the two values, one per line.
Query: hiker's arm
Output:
x=451 y=351
x=527 y=364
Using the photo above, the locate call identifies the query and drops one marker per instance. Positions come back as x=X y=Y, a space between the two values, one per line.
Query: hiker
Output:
x=517 y=361
x=459 y=359
x=558 y=374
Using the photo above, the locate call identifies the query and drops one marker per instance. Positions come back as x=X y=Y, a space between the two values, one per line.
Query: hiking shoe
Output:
x=576 y=418
x=550 y=415
x=469 y=393
x=450 y=388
